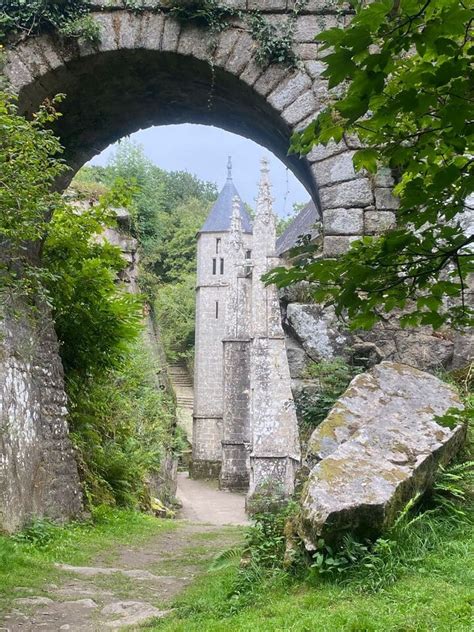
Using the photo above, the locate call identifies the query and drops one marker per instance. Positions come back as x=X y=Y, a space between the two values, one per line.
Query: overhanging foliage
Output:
x=406 y=72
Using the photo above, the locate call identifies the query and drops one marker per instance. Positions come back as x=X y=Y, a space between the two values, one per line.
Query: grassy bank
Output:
x=27 y=559
x=426 y=584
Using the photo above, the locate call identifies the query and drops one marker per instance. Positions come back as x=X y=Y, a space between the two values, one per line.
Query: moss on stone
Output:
x=332 y=469
x=327 y=430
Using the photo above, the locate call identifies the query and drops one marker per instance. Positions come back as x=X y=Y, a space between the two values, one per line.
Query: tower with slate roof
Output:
x=245 y=430
x=214 y=269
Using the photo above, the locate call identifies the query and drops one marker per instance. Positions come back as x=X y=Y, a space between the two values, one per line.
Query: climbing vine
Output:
x=275 y=43
x=72 y=19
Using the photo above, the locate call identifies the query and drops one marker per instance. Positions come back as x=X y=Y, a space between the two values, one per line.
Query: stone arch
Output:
x=149 y=69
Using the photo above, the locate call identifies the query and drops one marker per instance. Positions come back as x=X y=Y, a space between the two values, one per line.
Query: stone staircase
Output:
x=184 y=391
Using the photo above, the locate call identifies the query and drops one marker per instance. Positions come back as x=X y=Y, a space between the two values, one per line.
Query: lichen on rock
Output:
x=379 y=447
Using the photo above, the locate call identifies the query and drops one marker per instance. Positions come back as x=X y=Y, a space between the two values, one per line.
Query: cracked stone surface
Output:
x=379 y=447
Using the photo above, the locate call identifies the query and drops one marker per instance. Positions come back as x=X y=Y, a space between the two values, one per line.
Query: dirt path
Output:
x=203 y=502
x=133 y=584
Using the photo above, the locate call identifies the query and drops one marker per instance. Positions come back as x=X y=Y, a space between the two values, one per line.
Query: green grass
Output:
x=27 y=560
x=425 y=583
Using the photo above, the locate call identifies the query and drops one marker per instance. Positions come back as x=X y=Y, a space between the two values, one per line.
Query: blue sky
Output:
x=203 y=150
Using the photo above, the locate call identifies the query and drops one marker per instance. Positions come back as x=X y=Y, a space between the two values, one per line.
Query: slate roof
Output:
x=303 y=224
x=218 y=220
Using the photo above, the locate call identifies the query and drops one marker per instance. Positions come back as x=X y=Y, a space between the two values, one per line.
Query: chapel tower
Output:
x=214 y=269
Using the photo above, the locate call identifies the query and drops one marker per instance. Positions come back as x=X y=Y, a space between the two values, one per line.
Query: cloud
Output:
x=203 y=151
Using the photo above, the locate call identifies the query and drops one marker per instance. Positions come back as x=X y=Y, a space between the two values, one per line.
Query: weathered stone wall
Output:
x=38 y=473
x=314 y=334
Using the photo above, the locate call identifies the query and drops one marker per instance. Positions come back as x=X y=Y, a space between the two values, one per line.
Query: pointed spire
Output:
x=235 y=237
x=229 y=169
x=264 y=198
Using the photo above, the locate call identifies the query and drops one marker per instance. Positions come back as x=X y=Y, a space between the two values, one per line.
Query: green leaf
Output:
x=366 y=159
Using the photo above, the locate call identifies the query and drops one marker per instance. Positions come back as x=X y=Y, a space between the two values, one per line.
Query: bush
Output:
x=122 y=425
x=174 y=310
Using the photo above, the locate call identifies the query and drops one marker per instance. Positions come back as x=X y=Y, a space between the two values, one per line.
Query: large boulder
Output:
x=379 y=447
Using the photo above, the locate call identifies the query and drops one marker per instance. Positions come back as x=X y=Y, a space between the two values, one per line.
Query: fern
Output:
x=225 y=559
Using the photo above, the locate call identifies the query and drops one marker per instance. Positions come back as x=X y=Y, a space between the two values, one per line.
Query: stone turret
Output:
x=236 y=421
x=213 y=273
x=275 y=450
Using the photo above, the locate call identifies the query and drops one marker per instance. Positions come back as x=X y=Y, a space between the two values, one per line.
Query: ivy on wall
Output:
x=72 y=19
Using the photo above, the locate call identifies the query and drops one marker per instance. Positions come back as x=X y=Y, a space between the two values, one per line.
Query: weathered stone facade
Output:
x=38 y=473
x=214 y=271
x=256 y=438
x=148 y=69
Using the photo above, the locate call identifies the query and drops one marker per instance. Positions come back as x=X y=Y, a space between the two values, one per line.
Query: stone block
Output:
x=44 y=54
x=376 y=222
x=227 y=40
x=323 y=6
x=130 y=29
x=170 y=37
x=307 y=51
x=192 y=43
x=305 y=122
x=110 y=26
x=266 y=5
x=343 y=221
x=355 y=193
x=304 y=106
x=314 y=68
x=338 y=168
x=241 y=54
x=318 y=330
x=272 y=76
x=383 y=177
x=152 y=31
x=205 y=470
x=236 y=4
x=251 y=72
x=321 y=152
x=335 y=246
x=308 y=26
x=289 y=90
x=385 y=200
x=379 y=447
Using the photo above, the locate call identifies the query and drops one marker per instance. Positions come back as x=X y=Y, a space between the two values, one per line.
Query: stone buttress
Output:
x=237 y=342
x=275 y=450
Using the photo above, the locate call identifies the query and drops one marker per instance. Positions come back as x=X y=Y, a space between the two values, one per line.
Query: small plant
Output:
x=275 y=44
x=333 y=377
x=29 y=17
x=82 y=28
x=38 y=533
x=208 y=13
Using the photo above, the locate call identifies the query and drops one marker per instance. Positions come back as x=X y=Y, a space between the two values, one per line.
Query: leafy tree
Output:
x=169 y=208
x=30 y=162
x=95 y=320
x=405 y=69
x=174 y=308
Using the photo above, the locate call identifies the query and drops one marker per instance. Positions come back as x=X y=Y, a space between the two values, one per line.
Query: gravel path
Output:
x=133 y=584
x=203 y=502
